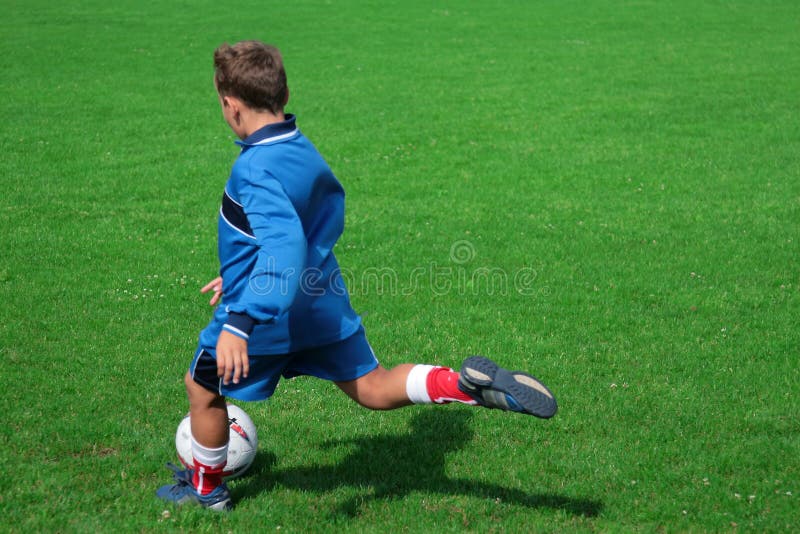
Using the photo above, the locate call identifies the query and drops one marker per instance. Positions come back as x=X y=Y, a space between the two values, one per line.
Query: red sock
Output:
x=209 y=463
x=206 y=478
x=442 y=385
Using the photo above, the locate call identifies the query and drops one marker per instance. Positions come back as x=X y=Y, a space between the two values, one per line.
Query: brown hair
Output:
x=253 y=72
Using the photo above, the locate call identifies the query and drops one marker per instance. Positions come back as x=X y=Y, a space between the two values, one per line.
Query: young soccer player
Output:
x=283 y=307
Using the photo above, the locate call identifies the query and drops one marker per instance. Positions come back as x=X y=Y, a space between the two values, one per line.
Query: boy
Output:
x=284 y=308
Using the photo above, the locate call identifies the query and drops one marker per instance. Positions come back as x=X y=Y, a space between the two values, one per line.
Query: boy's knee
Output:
x=370 y=390
x=199 y=395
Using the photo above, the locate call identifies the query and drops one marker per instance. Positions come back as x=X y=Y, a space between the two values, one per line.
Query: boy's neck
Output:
x=255 y=120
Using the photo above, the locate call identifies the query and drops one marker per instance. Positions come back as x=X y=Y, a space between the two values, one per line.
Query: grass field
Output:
x=606 y=194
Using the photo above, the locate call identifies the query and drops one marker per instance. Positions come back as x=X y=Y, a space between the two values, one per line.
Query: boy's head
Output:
x=252 y=72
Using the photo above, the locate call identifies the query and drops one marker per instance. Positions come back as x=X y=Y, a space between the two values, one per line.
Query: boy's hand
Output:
x=232 y=361
x=216 y=286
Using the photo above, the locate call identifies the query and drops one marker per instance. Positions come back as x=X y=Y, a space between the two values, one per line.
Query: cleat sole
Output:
x=530 y=394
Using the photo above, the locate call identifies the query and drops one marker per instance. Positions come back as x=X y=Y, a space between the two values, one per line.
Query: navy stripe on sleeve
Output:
x=234 y=215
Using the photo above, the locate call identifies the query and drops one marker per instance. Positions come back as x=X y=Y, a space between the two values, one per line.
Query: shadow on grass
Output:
x=391 y=467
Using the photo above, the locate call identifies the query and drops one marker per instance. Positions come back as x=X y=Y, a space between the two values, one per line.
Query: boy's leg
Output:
x=380 y=389
x=481 y=381
x=386 y=389
x=209 y=418
x=203 y=482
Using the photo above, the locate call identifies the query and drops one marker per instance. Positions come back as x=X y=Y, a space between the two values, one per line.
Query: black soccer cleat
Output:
x=494 y=387
x=182 y=491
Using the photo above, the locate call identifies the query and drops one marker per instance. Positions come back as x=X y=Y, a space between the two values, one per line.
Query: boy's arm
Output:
x=275 y=278
x=232 y=360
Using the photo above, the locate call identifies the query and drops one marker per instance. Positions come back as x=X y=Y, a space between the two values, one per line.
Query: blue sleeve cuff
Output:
x=239 y=324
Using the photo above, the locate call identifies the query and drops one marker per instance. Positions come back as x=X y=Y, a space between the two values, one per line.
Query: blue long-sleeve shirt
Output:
x=282 y=213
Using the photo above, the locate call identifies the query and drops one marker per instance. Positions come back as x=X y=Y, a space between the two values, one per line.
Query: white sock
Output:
x=417 y=384
x=208 y=456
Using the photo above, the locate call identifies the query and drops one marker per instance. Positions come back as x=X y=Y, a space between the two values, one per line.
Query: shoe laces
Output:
x=183 y=476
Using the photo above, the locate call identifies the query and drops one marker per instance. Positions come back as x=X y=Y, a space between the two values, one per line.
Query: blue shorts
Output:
x=345 y=360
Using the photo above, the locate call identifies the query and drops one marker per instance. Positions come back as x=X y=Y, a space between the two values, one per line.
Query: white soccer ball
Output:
x=241 y=447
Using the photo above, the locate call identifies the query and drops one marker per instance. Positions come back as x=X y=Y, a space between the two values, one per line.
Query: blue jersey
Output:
x=282 y=213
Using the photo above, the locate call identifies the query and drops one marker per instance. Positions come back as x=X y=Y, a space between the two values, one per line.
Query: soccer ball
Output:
x=241 y=447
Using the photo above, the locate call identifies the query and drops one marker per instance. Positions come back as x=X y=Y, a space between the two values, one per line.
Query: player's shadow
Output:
x=392 y=466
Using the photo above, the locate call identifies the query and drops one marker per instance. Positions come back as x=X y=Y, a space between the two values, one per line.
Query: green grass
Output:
x=628 y=173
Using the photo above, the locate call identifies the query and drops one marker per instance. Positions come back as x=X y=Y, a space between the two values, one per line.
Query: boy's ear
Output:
x=233 y=105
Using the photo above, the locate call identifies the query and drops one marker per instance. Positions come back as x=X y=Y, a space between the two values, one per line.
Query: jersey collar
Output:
x=271 y=133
